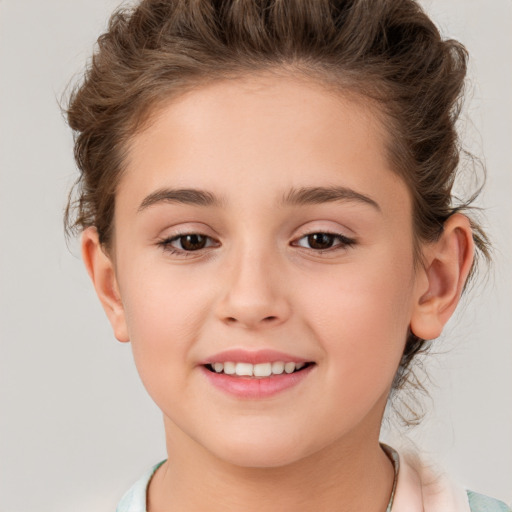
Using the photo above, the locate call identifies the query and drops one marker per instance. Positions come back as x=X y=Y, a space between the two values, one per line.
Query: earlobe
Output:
x=446 y=268
x=101 y=271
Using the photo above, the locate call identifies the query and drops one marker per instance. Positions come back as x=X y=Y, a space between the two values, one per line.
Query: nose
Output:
x=254 y=292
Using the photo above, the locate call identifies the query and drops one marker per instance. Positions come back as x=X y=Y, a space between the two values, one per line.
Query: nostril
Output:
x=267 y=319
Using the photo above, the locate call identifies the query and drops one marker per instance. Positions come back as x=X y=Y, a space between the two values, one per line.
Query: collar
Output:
x=421 y=488
x=417 y=487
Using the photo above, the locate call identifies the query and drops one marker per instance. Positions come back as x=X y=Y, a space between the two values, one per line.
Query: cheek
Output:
x=165 y=316
x=361 y=317
x=158 y=297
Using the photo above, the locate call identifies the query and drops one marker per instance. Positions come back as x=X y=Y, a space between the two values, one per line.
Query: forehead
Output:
x=262 y=133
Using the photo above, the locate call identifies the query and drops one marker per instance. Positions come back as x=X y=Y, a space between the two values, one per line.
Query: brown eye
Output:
x=192 y=242
x=187 y=243
x=320 y=240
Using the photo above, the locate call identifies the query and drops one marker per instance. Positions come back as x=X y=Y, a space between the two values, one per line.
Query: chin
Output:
x=258 y=457
x=261 y=451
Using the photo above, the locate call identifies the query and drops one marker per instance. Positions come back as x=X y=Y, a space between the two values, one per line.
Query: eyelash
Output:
x=167 y=246
x=343 y=243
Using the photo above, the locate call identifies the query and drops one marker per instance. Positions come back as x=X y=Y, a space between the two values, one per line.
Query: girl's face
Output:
x=259 y=222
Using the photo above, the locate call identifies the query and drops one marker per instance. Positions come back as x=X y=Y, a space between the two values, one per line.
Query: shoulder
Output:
x=481 y=503
x=422 y=486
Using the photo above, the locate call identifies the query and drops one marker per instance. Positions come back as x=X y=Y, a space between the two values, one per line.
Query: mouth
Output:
x=259 y=370
x=256 y=375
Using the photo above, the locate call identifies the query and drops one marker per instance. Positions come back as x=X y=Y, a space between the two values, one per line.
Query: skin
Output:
x=259 y=284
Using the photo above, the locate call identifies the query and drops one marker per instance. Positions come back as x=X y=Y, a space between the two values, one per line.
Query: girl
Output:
x=265 y=200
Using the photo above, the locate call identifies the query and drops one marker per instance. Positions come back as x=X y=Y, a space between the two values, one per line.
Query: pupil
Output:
x=320 y=240
x=193 y=242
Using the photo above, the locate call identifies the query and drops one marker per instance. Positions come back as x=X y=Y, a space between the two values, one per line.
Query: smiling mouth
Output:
x=260 y=370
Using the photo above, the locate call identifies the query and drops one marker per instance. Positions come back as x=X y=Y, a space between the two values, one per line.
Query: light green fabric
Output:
x=135 y=498
x=481 y=503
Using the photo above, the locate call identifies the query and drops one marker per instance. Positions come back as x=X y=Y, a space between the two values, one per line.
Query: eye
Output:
x=186 y=243
x=324 y=241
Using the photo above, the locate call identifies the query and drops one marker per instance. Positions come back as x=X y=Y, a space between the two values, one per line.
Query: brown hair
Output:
x=388 y=51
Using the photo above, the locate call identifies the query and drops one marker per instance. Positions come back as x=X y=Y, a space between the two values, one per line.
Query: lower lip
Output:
x=256 y=388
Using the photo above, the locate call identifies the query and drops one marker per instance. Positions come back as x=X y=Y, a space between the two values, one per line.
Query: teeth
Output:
x=277 y=368
x=256 y=370
x=244 y=369
x=229 y=368
x=262 y=370
x=289 y=367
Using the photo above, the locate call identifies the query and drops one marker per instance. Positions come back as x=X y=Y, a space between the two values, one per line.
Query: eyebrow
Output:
x=295 y=197
x=190 y=196
x=317 y=195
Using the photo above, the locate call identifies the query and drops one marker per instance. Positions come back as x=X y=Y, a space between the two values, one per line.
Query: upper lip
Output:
x=253 y=357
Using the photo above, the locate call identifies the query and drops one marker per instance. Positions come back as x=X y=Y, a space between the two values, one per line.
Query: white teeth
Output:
x=262 y=370
x=289 y=367
x=256 y=370
x=277 y=367
x=229 y=368
x=244 y=369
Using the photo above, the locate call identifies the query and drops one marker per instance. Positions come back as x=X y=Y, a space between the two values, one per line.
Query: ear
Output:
x=101 y=271
x=447 y=263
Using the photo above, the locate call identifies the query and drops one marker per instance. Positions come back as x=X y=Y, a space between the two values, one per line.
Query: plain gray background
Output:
x=76 y=427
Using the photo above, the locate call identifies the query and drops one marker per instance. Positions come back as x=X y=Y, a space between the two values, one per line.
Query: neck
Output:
x=350 y=475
